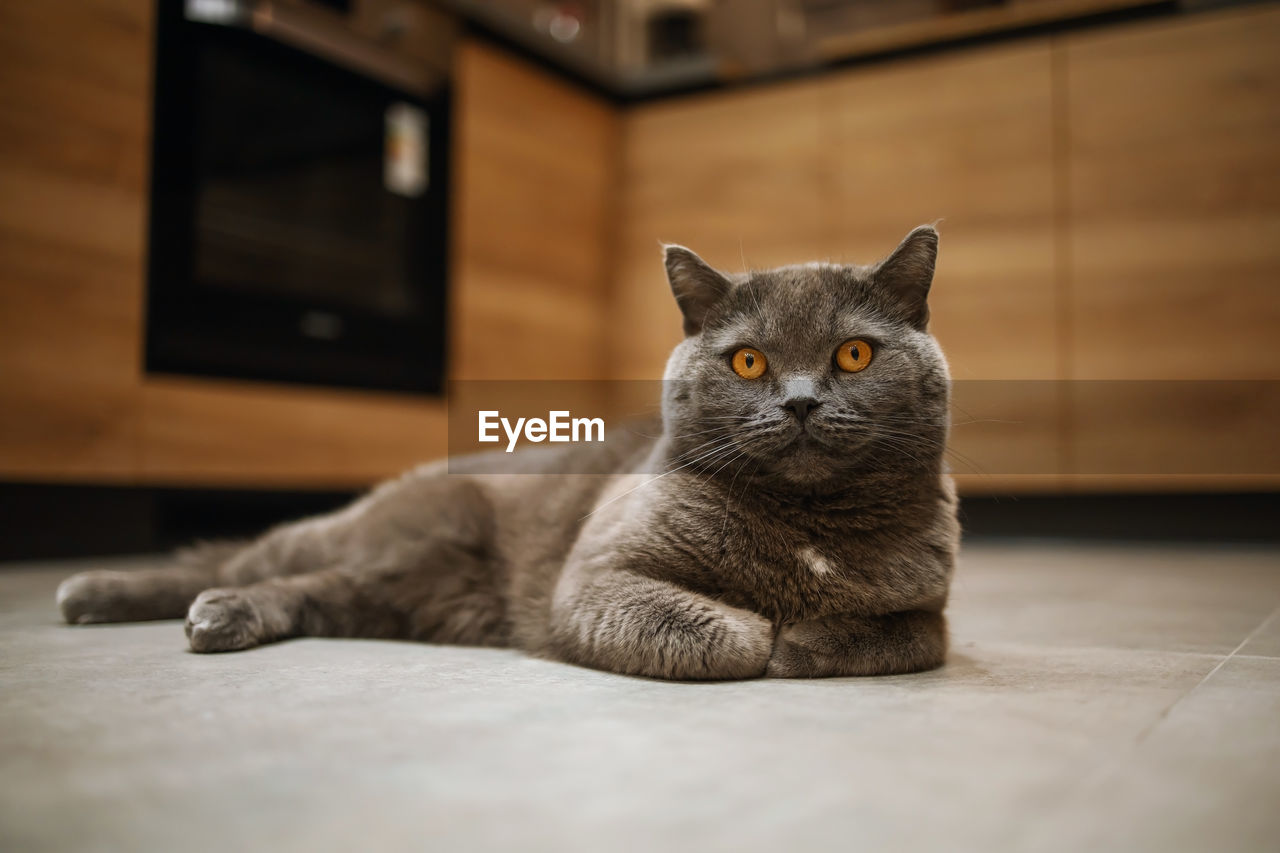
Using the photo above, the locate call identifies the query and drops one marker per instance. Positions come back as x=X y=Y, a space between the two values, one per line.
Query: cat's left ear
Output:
x=695 y=284
x=906 y=275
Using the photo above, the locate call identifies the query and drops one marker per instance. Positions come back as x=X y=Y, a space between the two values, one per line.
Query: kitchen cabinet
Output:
x=533 y=188
x=1106 y=293
x=73 y=135
x=1110 y=210
x=1173 y=286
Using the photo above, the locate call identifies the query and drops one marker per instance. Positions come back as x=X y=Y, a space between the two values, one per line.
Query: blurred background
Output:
x=244 y=246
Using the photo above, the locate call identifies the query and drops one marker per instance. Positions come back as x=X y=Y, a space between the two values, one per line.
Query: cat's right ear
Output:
x=697 y=287
x=907 y=274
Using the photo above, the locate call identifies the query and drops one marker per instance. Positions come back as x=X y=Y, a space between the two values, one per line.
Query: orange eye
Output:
x=853 y=356
x=749 y=363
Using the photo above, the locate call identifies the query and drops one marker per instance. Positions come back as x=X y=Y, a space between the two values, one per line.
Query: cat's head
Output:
x=804 y=376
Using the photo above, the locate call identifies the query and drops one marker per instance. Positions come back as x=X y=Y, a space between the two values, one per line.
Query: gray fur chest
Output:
x=786 y=562
x=787 y=566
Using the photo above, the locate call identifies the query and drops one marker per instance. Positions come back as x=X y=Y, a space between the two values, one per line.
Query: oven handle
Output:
x=313 y=33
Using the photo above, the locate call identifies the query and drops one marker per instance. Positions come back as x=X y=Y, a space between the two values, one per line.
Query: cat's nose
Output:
x=801 y=406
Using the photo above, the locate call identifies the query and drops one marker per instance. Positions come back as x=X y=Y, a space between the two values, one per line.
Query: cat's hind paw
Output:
x=90 y=597
x=223 y=620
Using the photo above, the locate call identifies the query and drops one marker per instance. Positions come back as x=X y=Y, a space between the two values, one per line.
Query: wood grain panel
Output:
x=73 y=125
x=256 y=434
x=1175 y=198
x=1175 y=245
x=535 y=184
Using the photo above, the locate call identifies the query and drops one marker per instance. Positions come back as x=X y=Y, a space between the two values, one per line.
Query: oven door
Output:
x=298 y=217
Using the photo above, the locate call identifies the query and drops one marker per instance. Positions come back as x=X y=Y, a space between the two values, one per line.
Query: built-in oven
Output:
x=299 y=195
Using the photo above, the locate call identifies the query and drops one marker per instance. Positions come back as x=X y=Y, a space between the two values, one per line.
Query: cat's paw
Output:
x=92 y=597
x=791 y=657
x=223 y=620
x=748 y=641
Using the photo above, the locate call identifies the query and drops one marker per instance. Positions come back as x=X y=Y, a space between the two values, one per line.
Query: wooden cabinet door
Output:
x=1174 y=251
x=534 y=182
x=74 y=118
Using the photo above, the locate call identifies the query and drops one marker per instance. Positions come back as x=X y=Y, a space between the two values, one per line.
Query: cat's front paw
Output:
x=812 y=649
x=744 y=643
x=223 y=620
x=790 y=658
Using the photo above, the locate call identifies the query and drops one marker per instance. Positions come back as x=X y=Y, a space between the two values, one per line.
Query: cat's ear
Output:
x=906 y=275
x=697 y=287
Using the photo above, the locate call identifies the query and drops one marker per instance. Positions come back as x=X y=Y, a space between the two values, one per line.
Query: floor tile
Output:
x=1265 y=641
x=1086 y=699
x=1204 y=778
x=1186 y=599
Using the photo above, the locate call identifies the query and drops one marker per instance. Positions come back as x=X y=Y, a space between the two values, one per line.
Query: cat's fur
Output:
x=777 y=545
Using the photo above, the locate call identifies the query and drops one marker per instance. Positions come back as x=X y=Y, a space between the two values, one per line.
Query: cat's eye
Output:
x=853 y=356
x=749 y=363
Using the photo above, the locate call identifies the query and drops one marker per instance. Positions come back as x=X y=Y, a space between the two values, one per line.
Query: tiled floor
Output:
x=1098 y=698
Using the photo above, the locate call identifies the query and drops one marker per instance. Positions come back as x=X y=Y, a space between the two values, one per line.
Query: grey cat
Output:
x=793 y=517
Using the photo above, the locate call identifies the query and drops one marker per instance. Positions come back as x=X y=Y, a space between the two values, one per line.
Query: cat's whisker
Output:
x=651 y=480
x=682 y=435
x=717 y=428
x=717 y=442
x=889 y=435
x=705 y=450
x=724 y=526
x=741 y=452
x=968 y=460
x=711 y=428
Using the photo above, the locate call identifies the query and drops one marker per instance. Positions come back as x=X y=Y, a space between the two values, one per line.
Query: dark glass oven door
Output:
x=298 y=222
